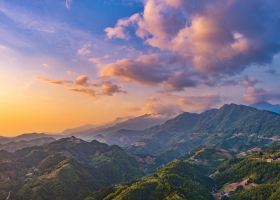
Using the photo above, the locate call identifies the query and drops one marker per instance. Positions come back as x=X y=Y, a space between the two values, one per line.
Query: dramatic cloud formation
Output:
x=152 y=69
x=148 y=69
x=83 y=85
x=253 y=94
x=212 y=38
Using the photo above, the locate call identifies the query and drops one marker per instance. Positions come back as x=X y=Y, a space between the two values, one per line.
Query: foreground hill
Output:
x=252 y=177
x=69 y=168
x=178 y=180
x=209 y=158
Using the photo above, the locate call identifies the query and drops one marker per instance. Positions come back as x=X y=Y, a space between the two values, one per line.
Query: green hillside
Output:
x=65 y=169
x=178 y=180
x=254 y=177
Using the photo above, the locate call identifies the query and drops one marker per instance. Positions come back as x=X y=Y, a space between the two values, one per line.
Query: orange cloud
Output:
x=55 y=82
x=82 y=80
x=109 y=89
x=97 y=61
x=86 y=91
x=83 y=85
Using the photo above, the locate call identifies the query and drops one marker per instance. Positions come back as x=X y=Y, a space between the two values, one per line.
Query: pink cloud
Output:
x=171 y=105
x=82 y=80
x=109 y=89
x=119 y=31
x=254 y=94
x=213 y=39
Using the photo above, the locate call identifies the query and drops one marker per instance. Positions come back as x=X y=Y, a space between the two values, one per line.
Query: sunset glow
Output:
x=64 y=64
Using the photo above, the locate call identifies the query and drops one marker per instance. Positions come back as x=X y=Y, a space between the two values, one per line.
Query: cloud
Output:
x=152 y=69
x=148 y=69
x=213 y=39
x=254 y=94
x=86 y=91
x=119 y=31
x=68 y=4
x=109 y=89
x=82 y=80
x=85 y=50
x=26 y=20
x=171 y=105
x=97 y=61
x=272 y=72
x=83 y=85
x=53 y=81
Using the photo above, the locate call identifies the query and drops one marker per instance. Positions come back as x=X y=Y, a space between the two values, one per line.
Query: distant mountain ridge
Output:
x=17 y=145
x=267 y=106
x=28 y=137
x=13 y=144
x=99 y=132
x=229 y=118
x=233 y=127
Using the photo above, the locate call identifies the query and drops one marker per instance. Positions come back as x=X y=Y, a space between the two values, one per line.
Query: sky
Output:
x=66 y=63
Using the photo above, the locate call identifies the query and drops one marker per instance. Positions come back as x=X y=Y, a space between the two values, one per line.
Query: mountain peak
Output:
x=233 y=105
x=69 y=141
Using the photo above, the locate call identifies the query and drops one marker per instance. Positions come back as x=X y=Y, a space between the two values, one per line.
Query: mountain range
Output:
x=228 y=153
x=233 y=127
x=107 y=133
